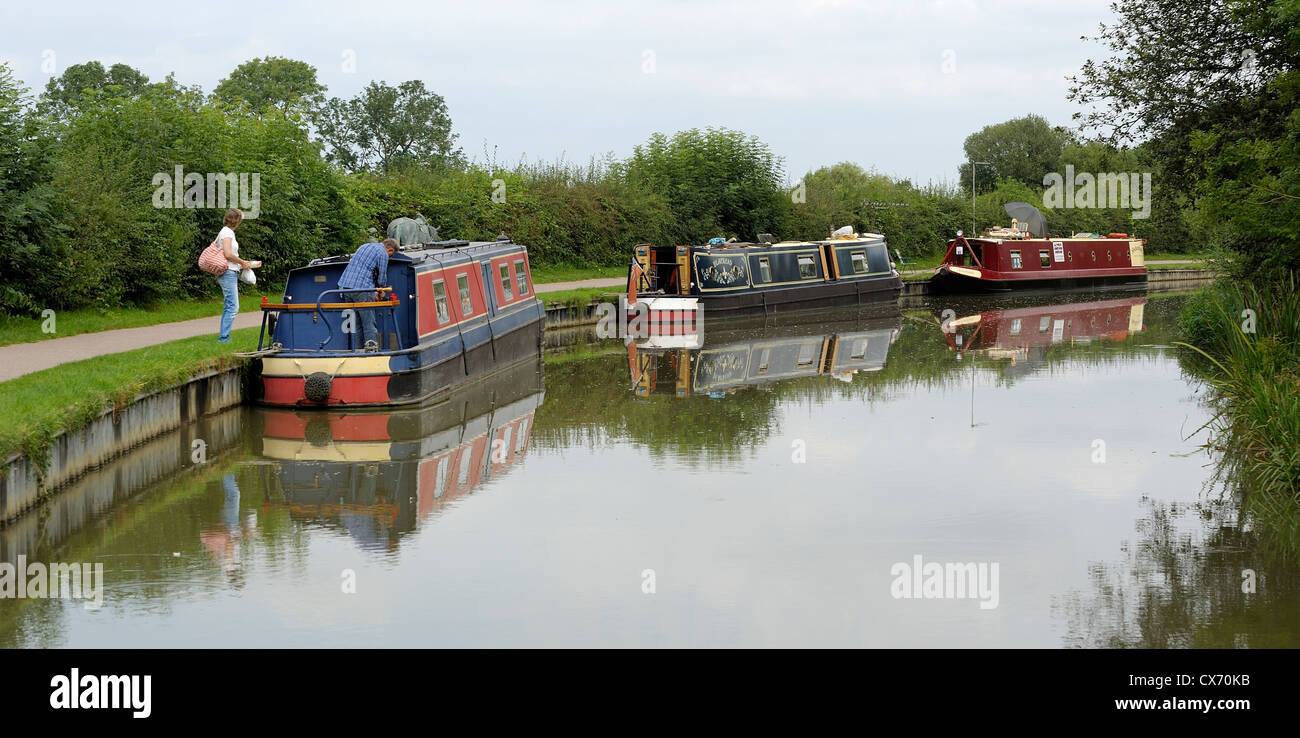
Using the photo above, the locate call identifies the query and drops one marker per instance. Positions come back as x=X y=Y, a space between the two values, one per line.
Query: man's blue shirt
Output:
x=368 y=268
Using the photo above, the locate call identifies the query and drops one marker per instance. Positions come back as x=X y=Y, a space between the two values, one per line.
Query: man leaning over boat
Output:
x=364 y=275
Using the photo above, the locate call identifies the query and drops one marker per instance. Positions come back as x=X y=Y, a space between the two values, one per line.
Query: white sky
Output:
x=821 y=81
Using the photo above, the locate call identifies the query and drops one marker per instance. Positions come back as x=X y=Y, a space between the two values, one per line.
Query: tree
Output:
x=68 y=92
x=386 y=128
x=272 y=81
x=718 y=182
x=27 y=201
x=1024 y=149
x=1211 y=88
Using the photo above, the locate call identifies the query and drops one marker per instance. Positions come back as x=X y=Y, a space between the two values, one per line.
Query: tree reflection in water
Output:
x=1180 y=585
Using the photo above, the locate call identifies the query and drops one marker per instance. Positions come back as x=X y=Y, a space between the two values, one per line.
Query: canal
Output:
x=964 y=472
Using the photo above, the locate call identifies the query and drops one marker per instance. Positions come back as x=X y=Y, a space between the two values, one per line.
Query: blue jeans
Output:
x=230 y=289
x=366 y=317
x=230 y=505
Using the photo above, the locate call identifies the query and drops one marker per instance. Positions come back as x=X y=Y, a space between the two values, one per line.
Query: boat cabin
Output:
x=731 y=275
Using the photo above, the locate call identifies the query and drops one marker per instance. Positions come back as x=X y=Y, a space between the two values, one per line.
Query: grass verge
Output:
x=24 y=329
x=36 y=406
x=577 y=298
x=570 y=273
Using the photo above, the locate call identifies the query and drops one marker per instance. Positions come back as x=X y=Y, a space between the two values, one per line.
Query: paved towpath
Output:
x=24 y=358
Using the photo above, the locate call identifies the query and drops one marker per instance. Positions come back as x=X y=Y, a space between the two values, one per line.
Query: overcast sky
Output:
x=892 y=85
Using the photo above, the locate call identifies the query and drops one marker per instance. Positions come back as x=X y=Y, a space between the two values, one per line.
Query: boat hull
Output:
x=946 y=282
x=418 y=375
x=826 y=294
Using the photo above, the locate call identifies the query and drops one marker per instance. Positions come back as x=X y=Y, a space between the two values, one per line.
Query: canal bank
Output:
x=27 y=478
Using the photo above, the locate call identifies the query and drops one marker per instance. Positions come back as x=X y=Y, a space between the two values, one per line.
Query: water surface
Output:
x=755 y=492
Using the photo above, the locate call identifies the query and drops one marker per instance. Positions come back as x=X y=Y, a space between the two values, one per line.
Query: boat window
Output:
x=499 y=455
x=440 y=301
x=1015 y=259
x=859 y=262
x=523 y=435
x=521 y=277
x=1044 y=323
x=463 y=477
x=440 y=478
x=505 y=283
x=462 y=286
x=1015 y=326
x=764 y=359
x=805 y=354
x=1045 y=259
x=807 y=268
x=764 y=270
x=859 y=349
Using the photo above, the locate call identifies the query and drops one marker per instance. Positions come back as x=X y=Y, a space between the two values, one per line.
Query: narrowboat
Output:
x=1018 y=258
x=456 y=310
x=730 y=278
x=1023 y=334
x=735 y=355
x=378 y=473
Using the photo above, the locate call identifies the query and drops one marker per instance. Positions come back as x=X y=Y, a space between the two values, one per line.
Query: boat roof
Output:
x=443 y=252
x=863 y=238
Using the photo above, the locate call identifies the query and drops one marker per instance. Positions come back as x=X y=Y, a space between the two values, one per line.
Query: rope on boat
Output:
x=274 y=348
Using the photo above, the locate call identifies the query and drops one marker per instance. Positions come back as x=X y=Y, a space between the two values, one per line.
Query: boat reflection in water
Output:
x=376 y=474
x=1023 y=334
x=739 y=354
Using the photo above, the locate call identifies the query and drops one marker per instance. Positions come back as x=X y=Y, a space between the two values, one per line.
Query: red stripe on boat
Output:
x=343 y=390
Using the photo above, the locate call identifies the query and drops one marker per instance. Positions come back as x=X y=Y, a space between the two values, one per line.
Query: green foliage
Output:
x=272 y=81
x=123 y=241
x=916 y=221
x=565 y=216
x=1219 y=118
x=28 y=204
x=718 y=182
x=82 y=83
x=386 y=128
x=1022 y=149
x=1253 y=360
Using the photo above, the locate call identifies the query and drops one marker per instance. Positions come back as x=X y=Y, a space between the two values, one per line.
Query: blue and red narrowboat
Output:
x=455 y=310
x=379 y=472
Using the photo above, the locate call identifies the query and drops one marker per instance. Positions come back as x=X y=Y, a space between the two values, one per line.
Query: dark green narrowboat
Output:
x=852 y=269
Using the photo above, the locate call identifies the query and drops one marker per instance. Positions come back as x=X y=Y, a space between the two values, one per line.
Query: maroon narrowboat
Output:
x=1004 y=259
x=1016 y=333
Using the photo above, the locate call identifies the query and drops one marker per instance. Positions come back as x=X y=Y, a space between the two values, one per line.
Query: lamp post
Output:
x=973 y=164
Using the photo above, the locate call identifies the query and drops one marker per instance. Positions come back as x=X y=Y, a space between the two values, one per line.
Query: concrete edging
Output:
x=113 y=433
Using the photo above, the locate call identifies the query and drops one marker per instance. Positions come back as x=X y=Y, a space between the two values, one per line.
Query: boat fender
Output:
x=316 y=387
